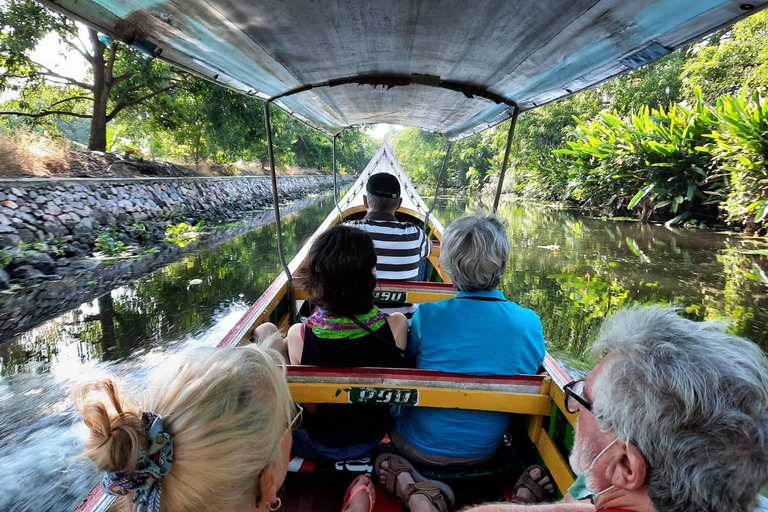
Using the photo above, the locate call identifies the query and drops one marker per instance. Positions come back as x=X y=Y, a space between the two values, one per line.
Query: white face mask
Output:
x=589 y=469
x=588 y=492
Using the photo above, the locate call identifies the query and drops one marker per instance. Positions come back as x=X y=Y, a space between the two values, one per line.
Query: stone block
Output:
x=26 y=235
x=9 y=240
x=10 y=204
x=17 y=191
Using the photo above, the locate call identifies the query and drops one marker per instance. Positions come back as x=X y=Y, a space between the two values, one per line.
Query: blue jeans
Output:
x=306 y=448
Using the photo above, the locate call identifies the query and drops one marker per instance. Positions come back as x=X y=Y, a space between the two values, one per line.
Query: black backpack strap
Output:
x=377 y=335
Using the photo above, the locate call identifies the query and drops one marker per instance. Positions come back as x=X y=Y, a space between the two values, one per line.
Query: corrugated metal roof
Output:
x=522 y=52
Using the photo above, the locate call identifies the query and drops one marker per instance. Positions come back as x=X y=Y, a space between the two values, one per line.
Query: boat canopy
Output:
x=454 y=67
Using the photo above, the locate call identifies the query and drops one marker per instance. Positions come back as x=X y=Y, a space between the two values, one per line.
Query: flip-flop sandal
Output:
x=439 y=494
x=526 y=480
x=358 y=485
x=397 y=465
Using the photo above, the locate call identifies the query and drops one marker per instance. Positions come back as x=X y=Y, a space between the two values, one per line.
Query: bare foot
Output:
x=417 y=502
x=361 y=502
x=540 y=478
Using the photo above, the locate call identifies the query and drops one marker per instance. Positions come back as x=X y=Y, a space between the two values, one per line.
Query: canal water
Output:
x=572 y=269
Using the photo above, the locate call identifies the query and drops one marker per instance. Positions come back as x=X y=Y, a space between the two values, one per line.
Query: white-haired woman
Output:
x=212 y=433
x=477 y=332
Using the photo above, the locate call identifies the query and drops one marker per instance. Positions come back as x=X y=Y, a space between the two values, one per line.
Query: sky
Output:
x=377 y=131
x=54 y=55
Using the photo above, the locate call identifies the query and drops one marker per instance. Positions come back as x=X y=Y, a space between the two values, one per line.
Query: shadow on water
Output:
x=127 y=333
x=572 y=270
x=575 y=270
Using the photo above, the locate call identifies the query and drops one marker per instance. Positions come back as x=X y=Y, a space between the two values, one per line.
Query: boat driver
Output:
x=400 y=246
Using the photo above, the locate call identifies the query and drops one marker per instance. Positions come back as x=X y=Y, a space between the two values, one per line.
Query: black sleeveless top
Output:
x=338 y=425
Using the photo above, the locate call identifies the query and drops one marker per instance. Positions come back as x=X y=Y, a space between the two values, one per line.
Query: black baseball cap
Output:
x=383 y=184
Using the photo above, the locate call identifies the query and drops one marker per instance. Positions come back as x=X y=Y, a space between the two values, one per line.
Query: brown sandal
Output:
x=397 y=465
x=540 y=494
x=439 y=498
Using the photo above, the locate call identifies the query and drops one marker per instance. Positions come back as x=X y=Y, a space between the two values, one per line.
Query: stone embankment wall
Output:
x=43 y=209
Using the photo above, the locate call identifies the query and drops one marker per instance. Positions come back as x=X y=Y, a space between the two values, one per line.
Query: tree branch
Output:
x=124 y=104
x=111 y=62
x=121 y=78
x=70 y=99
x=45 y=113
x=50 y=72
x=73 y=46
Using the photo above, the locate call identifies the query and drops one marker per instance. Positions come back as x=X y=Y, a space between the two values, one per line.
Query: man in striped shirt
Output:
x=400 y=246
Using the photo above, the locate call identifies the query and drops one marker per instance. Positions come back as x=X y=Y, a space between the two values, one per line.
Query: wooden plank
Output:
x=413 y=296
x=554 y=460
x=558 y=397
x=518 y=403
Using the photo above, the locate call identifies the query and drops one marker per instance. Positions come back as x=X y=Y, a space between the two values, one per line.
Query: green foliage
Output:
x=113 y=135
x=741 y=149
x=6 y=257
x=108 y=244
x=183 y=234
x=648 y=159
x=420 y=153
x=727 y=61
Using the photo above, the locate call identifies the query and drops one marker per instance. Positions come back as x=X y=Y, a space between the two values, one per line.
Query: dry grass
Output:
x=32 y=155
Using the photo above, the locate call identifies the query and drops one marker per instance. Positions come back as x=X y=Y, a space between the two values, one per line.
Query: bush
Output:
x=649 y=161
x=741 y=149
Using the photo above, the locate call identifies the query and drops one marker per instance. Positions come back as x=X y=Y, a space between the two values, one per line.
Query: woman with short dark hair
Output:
x=347 y=330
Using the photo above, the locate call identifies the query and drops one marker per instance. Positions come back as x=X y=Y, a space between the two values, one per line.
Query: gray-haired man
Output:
x=674 y=418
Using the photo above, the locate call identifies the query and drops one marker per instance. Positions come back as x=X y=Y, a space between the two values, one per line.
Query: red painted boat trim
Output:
x=426 y=286
x=558 y=375
x=253 y=311
x=410 y=374
x=91 y=501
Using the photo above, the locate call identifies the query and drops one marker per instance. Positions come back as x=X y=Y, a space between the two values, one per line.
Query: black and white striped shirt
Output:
x=400 y=246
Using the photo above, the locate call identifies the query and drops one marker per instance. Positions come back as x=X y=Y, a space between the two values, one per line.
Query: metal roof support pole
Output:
x=278 y=228
x=335 y=184
x=510 y=136
x=437 y=187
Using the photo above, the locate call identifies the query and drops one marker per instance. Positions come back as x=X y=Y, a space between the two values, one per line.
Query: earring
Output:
x=274 y=506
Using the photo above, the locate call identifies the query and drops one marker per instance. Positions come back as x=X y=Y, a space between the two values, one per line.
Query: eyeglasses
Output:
x=296 y=422
x=574 y=393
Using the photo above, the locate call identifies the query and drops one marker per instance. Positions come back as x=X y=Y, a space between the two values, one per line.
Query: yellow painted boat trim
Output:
x=445 y=398
x=558 y=397
x=413 y=296
x=552 y=458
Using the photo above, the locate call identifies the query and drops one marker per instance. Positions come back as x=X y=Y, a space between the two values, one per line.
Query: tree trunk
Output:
x=97 y=140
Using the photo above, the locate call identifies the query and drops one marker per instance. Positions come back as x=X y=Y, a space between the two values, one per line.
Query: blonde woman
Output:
x=212 y=433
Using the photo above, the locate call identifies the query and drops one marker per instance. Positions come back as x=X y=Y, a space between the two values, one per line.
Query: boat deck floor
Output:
x=326 y=493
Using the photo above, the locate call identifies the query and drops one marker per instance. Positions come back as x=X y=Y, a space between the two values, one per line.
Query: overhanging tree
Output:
x=120 y=77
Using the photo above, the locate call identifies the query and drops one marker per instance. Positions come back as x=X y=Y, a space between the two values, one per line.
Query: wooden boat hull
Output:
x=537 y=398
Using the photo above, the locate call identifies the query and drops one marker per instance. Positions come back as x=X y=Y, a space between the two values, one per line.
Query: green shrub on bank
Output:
x=741 y=151
x=679 y=162
x=645 y=161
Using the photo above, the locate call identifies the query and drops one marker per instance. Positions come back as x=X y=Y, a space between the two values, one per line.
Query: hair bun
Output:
x=117 y=435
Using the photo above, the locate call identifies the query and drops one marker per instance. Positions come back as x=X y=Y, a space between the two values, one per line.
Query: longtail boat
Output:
x=452 y=67
x=537 y=399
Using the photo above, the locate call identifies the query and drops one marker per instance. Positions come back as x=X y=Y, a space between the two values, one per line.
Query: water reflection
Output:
x=126 y=332
x=574 y=270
